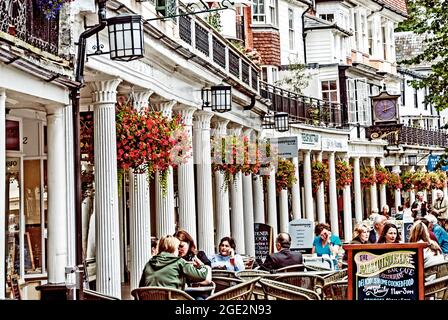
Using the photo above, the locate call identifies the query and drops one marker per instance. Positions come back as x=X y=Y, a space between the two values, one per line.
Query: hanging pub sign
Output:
x=263 y=241
x=385 y=271
x=12 y=135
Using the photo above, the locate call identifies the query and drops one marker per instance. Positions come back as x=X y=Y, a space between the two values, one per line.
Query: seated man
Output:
x=284 y=257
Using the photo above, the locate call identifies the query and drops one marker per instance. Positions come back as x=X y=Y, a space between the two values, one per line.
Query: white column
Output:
x=185 y=184
x=308 y=185
x=222 y=191
x=272 y=202
x=357 y=189
x=412 y=192
x=236 y=204
x=284 y=214
x=320 y=196
x=248 y=215
x=383 y=199
x=165 y=219
x=248 y=203
x=397 y=192
x=139 y=212
x=257 y=185
x=237 y=216
x=70 y=188
x=201 y=134
x=347 y=192
x=2 y=192
x=373 y=192
x=57 y=219
x=104 y=98
x=295 y=192
x=334 y=219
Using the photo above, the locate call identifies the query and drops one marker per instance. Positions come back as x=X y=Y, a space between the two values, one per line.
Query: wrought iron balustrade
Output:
x=23 y=19
x=302 y=109
x=419 y=136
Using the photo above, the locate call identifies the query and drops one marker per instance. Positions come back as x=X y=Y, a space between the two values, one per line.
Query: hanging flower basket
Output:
x=442 y=178
x=285 y=176
x=344 y=174
x=407 y=180
x=51 y=8
x=368 y=177
x=319 y=174
x=421 y=181
x=394 y=183
x=382 y=175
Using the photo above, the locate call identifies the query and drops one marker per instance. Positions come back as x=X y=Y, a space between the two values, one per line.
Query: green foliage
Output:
x=296 y=79
x=214 y=20
x=429 y=17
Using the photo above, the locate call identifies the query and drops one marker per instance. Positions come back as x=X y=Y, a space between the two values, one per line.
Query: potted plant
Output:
x=51 y=8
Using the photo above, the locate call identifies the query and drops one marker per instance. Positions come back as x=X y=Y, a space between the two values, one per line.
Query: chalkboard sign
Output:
x=263 y=241
x=302 y=233
x=385 y=271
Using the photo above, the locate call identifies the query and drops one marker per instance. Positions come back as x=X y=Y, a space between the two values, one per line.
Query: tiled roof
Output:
x=395 y=5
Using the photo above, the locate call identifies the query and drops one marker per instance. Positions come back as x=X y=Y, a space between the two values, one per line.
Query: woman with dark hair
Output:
x=226 y=259
x=325 y=242
x=389 y=234
x=187 y=248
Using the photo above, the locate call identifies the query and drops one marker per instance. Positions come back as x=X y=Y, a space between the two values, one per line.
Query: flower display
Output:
x=285 y=175
x=319 y=174
x=344 y=174
x=406 y=180
x=394 y=182
x=421 y=181
x=442 y=178
x=51 y=8
x=368 y=177
x=382 y=175
x=233 y=154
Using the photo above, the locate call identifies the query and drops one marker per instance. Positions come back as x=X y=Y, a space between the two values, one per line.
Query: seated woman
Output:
x=187 y=248
x=325 y=242
x=389 y=234
x=167 y=269
x=360 y=236
x=432 y=254
x=226 y=259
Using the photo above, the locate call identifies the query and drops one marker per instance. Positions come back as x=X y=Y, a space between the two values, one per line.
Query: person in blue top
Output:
x=439 y=232
x=325 y=242
x=226 y=259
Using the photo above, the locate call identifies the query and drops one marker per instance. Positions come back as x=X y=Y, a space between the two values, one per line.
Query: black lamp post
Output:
x=126 y=44
x=281 y=121
x=218 y=98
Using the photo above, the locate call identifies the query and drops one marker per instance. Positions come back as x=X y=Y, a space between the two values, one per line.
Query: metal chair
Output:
x=292 y=268
x=159 y=293
x=335 y=290
x=88 y=294
x=437 y=289
x=222 y=283
x=251 y=274
x=242 y=291
x=284 y=291
x=223 y=273
x=303 y=280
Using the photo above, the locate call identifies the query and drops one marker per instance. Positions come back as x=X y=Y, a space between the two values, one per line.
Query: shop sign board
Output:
x=301 y=231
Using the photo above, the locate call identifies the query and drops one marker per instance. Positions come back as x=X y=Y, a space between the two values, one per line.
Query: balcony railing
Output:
x=211 y=46
x=303 y=109
x=418 y=136
x=24 y=20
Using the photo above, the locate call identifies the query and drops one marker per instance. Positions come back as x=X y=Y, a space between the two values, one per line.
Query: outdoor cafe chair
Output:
x=251 y=274
x=437 y=289
x=88 y=294
x=311 y=282
x=198 y=290
x=242 y=291
x=223 y=273
x=336 y=276
x=335 y=290
x=439 y=270
x=248 y=262
x=222 y=283
x=283 y=291
x=292 y=268
x=160 y=293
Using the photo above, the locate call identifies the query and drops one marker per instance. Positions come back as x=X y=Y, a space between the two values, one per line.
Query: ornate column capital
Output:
x=54 y=109
x=141 y=99
x=220 y=126
x=104 y=91
x=166 y=107
x=201 y=120
x=187 y=114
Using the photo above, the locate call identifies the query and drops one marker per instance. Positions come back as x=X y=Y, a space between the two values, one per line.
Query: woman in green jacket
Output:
x=167 y=269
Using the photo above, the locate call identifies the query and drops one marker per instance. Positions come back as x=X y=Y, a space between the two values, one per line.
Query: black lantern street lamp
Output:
x=218 y=98
x=126 y=37
x=281 y=121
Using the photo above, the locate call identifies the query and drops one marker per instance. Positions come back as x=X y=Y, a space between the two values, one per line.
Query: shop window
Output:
x=12 y=135
x=12 y=208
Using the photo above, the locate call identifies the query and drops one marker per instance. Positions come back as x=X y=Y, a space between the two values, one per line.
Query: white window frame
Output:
x=273 y=11
x=259 y=12
x=329 y=91
x=292 y=42
x=358 y=101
